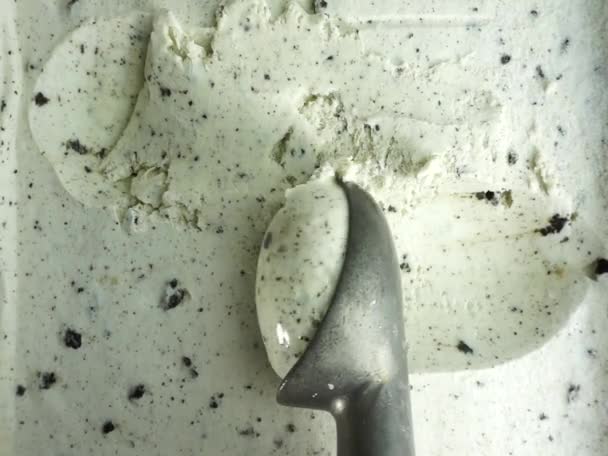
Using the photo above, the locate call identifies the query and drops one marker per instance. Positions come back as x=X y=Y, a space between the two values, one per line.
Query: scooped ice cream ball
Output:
x=298 y=268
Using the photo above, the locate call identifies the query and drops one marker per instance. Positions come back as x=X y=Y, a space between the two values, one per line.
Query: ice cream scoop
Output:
x=355 y=366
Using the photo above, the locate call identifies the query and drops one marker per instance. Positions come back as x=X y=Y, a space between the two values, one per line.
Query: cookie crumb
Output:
x=174 y=295
x=464 y=348
x=573 y=392
x=72 y=339
x=556 y=224
x=107 y=427
x=137 y=392
x=47 y=379
x=40 y=99
x=601 y=266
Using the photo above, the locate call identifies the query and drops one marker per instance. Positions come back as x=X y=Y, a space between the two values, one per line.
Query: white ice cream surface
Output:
x=492 y=252
x=222 y=120
x=144 y=154
x=85 y=98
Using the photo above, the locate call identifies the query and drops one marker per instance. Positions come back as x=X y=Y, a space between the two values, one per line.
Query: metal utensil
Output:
x=355 y=366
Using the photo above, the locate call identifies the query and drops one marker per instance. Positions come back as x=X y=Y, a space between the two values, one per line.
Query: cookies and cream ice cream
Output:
x=213 y=125
x=146 y=147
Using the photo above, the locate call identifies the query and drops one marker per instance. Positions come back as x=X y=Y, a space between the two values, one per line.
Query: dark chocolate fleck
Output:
x=175 y=299
x=72 y=339
x=505 y=58
x=290 y=427
x=77 y=147
x=47 y=379
x=565 y=44
x=20 y=391
x=108 y=427
x=187 y=361
x=165 y=92
x=511 y=158
x=137 y=392
x=40 y=99
x=601 y=266
x=540 y=72
x=464 y=348
x=573 y=391
x=487 y=195
x=247 y=432
x=556 y=224
x=174 y=296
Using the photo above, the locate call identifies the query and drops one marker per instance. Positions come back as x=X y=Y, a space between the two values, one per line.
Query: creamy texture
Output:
x=82 y=110
x=210 y=95
x=468 y=97
x=219 y=126
x=500 y=291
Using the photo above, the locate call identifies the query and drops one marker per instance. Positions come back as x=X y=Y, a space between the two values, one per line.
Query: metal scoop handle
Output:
x=356 y=366
x=375 y=423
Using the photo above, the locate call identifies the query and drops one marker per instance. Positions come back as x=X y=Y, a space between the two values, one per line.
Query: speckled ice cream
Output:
x=299 y=266
x=218 y=125
x=128 y=324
